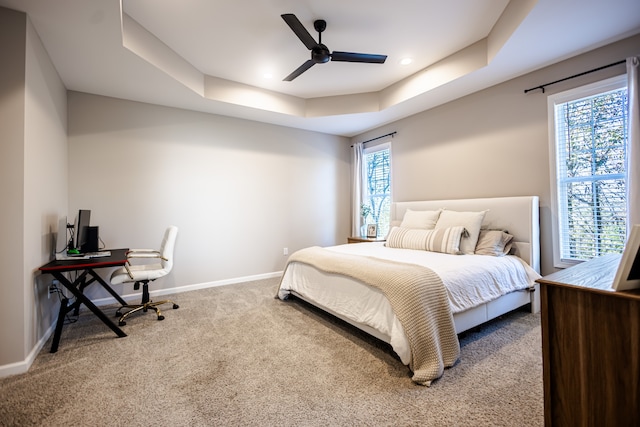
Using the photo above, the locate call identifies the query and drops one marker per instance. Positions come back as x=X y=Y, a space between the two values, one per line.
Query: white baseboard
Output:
x=23 y=366
x=187 y=288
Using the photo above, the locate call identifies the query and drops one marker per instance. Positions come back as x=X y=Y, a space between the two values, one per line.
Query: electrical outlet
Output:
x=52 y=287
x=285 y=251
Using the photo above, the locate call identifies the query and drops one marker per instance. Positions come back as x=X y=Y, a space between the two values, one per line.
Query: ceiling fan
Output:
x=319 y=52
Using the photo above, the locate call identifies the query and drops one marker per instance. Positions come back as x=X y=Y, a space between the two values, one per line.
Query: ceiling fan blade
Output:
x=301 y=69
x=358 y=57
x=294 y=23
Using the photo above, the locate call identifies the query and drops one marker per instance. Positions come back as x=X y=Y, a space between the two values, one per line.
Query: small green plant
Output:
x=365 y=210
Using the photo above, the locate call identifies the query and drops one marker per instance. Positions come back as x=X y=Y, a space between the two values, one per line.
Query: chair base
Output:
x=144 y=306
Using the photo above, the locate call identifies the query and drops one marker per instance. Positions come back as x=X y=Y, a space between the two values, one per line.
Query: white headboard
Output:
x=518 y=215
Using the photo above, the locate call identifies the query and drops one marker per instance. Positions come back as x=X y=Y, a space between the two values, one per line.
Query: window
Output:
x=376 y=188
x=588 y=147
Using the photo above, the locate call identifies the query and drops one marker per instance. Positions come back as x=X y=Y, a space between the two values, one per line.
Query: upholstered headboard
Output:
x=518 y=215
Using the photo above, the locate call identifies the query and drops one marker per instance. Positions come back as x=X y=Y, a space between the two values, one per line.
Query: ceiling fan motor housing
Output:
x=320 y=54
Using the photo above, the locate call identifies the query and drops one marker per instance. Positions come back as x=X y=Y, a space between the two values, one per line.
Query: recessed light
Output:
x=267 y=75
x=406 y=61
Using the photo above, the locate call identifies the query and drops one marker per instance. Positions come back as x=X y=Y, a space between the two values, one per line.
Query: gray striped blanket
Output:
x=417 y=297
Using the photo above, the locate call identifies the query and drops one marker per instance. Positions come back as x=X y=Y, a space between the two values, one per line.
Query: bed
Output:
x=455 y=292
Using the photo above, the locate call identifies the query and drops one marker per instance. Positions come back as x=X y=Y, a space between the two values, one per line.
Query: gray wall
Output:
x=492 y=143
x=33 y=186
x=239 y=191
x=45 y=183
x=12 y=82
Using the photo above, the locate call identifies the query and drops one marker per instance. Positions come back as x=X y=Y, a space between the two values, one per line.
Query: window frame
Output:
x=610 y=84
x=369 y=149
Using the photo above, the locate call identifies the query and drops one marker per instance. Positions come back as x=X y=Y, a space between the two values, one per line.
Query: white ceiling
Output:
x=211 y=55
x=225 y=39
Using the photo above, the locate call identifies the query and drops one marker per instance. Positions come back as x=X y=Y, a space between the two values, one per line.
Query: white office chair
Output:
x=145 y=273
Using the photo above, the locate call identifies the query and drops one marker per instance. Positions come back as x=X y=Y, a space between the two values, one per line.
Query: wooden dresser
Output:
x=590 y=347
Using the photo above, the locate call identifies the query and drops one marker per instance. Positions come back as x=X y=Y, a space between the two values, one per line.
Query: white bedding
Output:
x=470 y=280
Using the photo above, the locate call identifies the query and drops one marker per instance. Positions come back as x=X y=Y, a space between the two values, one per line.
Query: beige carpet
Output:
x=236 y=356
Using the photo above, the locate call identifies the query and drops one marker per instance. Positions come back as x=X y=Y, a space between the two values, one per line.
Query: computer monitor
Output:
x=62 y=240
x=628 y=273
x=82 y=229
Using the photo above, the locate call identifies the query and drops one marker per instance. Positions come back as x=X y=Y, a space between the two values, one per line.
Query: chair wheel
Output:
x=175 y=306
x=122 y=323
x=160 y=317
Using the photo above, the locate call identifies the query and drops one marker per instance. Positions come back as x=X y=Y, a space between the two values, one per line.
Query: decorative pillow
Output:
x=445 y=240
x=424 y=220
x=471 y=221
x=494 y=243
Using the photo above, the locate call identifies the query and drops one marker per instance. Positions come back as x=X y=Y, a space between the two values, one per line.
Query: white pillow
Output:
x=424 y=220
x=446 y=240
x=471 y=221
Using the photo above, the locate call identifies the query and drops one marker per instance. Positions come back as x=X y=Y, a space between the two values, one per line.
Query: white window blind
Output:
x=590 y=153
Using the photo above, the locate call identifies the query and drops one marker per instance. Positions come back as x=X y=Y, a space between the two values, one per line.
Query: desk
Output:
x=590 y=347
x=86 y=276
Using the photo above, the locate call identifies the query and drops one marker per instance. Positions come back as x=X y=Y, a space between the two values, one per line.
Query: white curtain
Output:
x=633 y=151
x=356 y=188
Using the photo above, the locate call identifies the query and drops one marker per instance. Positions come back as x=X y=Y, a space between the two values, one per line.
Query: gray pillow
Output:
x=494 y=243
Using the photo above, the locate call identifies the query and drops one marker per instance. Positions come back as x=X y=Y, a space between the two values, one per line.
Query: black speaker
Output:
x=92 y=240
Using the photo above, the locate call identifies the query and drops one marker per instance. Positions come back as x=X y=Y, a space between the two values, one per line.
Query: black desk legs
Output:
x=64 y=304
x=80 y=299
